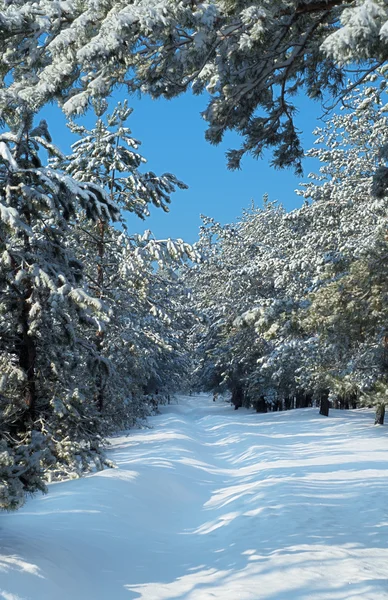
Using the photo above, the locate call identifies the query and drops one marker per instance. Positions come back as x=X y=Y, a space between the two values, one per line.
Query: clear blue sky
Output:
x=172 y=136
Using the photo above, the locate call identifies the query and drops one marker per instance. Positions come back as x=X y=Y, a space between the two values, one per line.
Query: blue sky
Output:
x=172 y=136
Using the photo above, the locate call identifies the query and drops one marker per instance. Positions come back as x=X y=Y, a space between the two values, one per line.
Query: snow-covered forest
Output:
x=100 y=324
x=293 y=305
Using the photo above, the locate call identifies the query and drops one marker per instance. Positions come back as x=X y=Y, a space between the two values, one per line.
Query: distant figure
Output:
x=215 y=396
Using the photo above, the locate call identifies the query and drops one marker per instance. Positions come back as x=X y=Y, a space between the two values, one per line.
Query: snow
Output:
x=213 y=504
x=6 y=155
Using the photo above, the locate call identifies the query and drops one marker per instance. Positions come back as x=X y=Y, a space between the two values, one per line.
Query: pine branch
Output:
x=321 y=5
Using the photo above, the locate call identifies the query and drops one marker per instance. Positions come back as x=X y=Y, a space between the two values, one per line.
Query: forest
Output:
x=279 y=310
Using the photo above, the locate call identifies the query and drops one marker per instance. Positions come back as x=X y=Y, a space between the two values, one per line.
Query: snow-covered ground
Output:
x=214 y=504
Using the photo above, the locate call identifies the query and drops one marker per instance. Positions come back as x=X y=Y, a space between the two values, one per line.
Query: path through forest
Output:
x=210 y=504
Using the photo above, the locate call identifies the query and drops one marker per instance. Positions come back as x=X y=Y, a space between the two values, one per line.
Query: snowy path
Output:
x=214 y=504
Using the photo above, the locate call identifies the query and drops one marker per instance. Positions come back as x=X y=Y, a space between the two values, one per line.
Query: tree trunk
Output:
x=101 y=252
x=27 y=345
x=309 y=400
x=380 y=414
x=301 y=400
x=27 y=356
x=237 y=396
x=261 y=405
x=325 y=404
x=353 y=400
x=100 y=379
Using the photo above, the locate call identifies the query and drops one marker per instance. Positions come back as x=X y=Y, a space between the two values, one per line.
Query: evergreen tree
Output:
x=107 y=156
x=42 y=297
x=253 y=58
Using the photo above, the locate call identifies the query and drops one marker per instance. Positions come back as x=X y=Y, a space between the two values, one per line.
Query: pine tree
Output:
x=252 y=58
x=42 y=295
x=107 y=156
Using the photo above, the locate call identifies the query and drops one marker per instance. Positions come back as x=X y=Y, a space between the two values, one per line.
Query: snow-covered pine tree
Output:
x=154 y=320
x=142 y=348
x=42 y=296
x=252 y=58
x=107 y=155
x=349 y=316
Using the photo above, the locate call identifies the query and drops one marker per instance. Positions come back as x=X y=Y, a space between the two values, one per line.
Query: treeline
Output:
x=92 y=319
x=295 y=305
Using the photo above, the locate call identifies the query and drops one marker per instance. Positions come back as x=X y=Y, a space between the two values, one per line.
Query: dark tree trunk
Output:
x=325 y=404
x=278 y=405
x=287 y=403
x=100 y=378
x=301 y=400
x=100 y=252
x=27 y=346
x=343 y=403
x=27 y=356
x=237 y=397
x=261 y=405
x=380 y=414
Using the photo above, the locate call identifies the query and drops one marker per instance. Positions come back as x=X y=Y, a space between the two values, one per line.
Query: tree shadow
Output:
x=207 y=504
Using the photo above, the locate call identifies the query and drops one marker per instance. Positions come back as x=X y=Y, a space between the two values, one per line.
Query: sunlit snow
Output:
x=213 y=504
